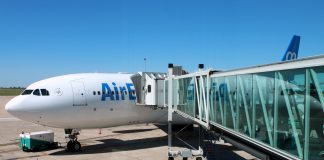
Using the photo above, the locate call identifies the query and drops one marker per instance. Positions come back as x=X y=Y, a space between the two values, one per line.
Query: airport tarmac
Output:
x=131 y=142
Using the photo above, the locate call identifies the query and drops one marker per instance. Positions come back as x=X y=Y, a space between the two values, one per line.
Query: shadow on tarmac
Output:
x=133 y=131
x=115 y=145
x=216 y=152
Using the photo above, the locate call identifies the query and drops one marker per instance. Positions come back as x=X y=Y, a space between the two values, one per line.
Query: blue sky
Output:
x=41 y=39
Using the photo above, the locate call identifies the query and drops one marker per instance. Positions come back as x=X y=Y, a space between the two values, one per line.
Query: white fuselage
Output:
x=93 y=100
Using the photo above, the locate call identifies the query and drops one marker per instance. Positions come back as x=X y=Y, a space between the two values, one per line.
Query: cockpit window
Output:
x=36 y=92
x=45 y=92
x=27 y=92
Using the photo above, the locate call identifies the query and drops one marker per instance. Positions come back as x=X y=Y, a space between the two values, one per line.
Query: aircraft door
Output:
x=79 y=94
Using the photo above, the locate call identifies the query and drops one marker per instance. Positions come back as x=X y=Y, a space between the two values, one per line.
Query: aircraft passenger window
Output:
x=36 y=92
x=94 y=92
x=149 y=88
x=27 y=92
x=45 y=92
x=98 y=92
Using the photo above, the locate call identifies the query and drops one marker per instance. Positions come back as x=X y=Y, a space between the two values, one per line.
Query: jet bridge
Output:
x=273 y=111
x=151 y=87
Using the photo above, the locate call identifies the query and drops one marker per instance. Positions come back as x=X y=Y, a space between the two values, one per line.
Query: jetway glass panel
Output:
x=291 y=104
x=263 y=107
x=185 y=95
x=219 y=89
x=230 y=109
x=214 y=98
x=176 y=95
x=316 y=114
x=244 y=103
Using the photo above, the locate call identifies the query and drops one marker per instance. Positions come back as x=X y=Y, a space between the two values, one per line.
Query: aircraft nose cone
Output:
x=21 y=108
x=13 y=106
x=10 y=106
x=7 y=107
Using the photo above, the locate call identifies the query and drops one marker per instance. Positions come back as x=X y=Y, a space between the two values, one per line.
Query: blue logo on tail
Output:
x=292 y=50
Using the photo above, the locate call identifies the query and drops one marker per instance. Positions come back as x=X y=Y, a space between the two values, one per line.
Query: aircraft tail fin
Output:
x=292 y=50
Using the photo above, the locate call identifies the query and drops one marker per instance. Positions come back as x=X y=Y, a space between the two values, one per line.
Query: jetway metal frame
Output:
x=276 y=103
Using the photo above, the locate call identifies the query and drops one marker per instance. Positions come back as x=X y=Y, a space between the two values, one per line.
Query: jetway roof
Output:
x=282 y=65
x=312 y=61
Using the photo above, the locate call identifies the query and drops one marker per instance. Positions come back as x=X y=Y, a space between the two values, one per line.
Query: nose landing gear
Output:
x=73 y=145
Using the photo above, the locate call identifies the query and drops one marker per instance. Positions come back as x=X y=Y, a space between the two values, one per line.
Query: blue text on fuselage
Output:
x=117 y=92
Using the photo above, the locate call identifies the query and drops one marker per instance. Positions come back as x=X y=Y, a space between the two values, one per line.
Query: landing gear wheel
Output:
x=69 y=146
x=171 y=158
x=73 y=146
x=198 y=158
x=76 y=146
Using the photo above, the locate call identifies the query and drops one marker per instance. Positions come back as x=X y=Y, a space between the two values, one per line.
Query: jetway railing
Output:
x=277 y=107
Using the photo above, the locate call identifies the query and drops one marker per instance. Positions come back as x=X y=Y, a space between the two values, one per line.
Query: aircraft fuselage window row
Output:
x=36 y=92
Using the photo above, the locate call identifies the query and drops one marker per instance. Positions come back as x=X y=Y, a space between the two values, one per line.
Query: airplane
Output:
x=83 y=101
x=91 y=100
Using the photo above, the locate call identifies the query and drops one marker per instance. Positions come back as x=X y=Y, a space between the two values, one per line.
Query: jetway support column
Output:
x=171 y=153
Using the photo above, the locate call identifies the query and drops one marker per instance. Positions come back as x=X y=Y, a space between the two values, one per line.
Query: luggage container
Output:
x=37 y=141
